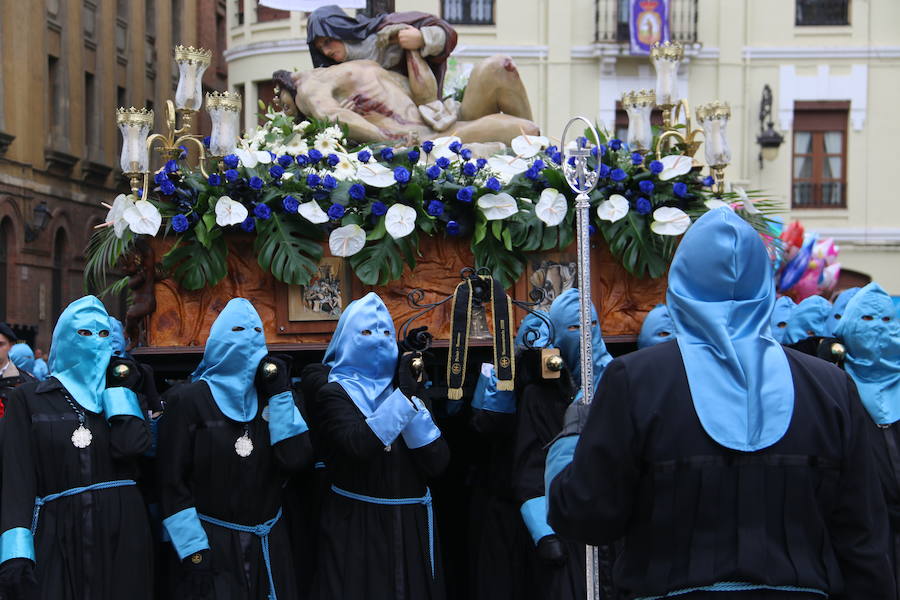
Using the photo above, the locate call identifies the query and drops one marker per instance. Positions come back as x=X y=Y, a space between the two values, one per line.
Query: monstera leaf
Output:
x=497 y=255
x=288 y=248
x=641 y=253
x=381 y=262
x=196 y=266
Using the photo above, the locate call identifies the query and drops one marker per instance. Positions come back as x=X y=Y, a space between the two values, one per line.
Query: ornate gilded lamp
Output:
x=639 y=106
x=713 y=117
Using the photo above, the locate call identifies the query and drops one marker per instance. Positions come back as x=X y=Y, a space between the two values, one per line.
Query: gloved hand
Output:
x=312 y=378
x=118 y=376
x=550 y=550
x=280 y=381
x=574 y=420
x=16 y=577
x=410 y=381
x=198 y=575
x=416 y=340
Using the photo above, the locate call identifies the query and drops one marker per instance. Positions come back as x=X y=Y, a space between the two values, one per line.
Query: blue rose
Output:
x=602 y=149
x=481 y=162
x=290 y=204
x=551 y=150
x=302 y=160
x=433 y=172
x=333 y=159
x=214 y=179
x=256 y=183
x=595 y=152
x=456 y=147
x=636 y=158
x=604 y=170
x=285 y=160
x=615 y=144
x=206 y=141
x=618 y=175
x=167 y=188
x=357 y=192
x=452 y=227
x=231 y=161
x=276 y=171
x=314 y=156
x=571 y=161
x=413 y=156
x=656 y=167
x=248 y=224
x=646 y=187
x=179 y=223
x=401 y=174
x=231 y=175
x=435 y=208
x=262 y=211
x=312 y=179
x=539 y=165
x=643 y=205
x=336 y=211
x=492 y=184
x=581 y=141
x=364 y=156
x=160 y=177
x=443 y=162
x=469 y=169
x=427 y=146
x=465 y=153
x=329 y=182
x=680 y=189
x=592 y=229
x=556 y=157
x=387 y=154
x=171 y=166
x=532 y=174
x=708 y=181
x=379 y=208
x=465 y=194
x=272 y=155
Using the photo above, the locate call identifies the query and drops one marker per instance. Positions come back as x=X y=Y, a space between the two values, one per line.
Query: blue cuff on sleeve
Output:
x=120 y=401
x=391 y=417
x=558 y=458
x=421 y=430
x=534 y=513
x=17 y=542
x=285 y=420
x=186 y=532
x=488 y=397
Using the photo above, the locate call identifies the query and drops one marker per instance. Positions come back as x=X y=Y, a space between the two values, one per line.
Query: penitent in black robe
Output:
x=369 y=551
x=200 y=468
x=91 y=546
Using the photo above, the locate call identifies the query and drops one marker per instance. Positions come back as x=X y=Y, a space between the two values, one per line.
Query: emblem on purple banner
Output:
x=649 y=24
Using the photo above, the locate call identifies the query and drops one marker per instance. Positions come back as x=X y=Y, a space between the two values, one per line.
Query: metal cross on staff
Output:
x=582 y=181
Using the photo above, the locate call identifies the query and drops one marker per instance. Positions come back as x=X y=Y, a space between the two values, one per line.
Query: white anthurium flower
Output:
x=714 y=203
x=347 y=240
x=250 y=157
x=552 y=207
x=312 y=212
x=498 y=206
x=675 y=165
x=376 y=175
x=143 y=218
x=229 y=212
x=116 y=214
x=287 y=176
x=400 y=220
x=668 y=220
x=746 y=201
x=613 y=209
x=442 y=148
x=345 y=168
x=527 y=146
x=507 y=167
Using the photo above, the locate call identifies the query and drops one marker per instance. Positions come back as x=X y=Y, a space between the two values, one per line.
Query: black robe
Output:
x=91 y=546
x=200 y=468
x=541 y=407
x=806 y=511
x=370 y=551
x=886 y=450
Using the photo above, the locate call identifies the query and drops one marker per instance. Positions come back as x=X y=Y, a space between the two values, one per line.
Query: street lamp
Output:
x=768 y=139
x=40 y=219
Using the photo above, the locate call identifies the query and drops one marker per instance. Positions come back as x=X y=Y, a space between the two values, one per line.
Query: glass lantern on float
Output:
x=713 y=118
x=665 y=59
x=639 y=107
x=192 y=63
x=135 y=125
x=225 y=113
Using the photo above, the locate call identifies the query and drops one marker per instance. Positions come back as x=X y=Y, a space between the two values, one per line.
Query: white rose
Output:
x=552 y=207
x=613 y=209
x=229 y=212
x=498 y=206
x=312 y=212
x=400 y=220
x=668 y=220
x=347 y=240
x=143 y=218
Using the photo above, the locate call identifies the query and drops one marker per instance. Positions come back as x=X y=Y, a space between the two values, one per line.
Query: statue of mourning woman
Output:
x=382 y=77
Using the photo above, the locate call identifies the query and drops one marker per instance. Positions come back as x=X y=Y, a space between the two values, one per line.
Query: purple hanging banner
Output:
x=649 y=24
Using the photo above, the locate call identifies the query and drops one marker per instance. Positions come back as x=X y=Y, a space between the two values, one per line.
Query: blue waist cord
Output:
x=426 y=500
x=39 y=502
x=262 y=530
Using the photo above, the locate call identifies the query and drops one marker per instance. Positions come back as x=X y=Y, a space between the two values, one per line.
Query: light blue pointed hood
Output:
x=781 y=317
x=78 y=361
x=536 y=328
x=721 y=294
x=233 y=351
x=23 y=357
x=117 y=337
x=363 y=353
x=565 y=314
x=809 y=319
x=871 y=334
x=837 y=308
x=656 y=328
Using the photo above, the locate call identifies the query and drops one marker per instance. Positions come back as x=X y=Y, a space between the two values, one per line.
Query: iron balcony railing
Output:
x=612 y=21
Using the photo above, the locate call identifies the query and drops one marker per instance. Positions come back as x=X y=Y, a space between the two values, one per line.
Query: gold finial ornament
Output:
x=270 y=370
x=134 y=116
x=671 y=51
x=555 y=363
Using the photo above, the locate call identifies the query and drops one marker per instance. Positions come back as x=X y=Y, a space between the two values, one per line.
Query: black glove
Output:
x=312 y=378
x=550 y=550
x=16 y=578
x=410 y=381
x=417 y=340
x=124 y=372
x=574 y=420
x=148 y=389
x=273 y=384
x=198 y=575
